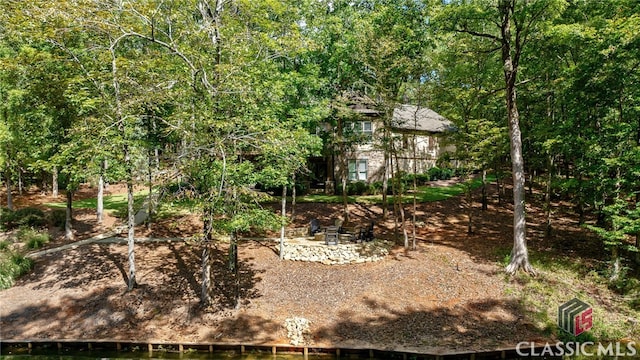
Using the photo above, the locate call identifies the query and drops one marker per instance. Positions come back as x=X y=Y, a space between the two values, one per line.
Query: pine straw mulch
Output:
x=449 y=294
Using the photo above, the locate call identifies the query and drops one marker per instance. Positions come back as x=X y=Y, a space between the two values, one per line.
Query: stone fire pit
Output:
x=303 y=249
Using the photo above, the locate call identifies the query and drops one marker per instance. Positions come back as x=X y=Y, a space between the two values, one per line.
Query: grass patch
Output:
x=33 y=239
x=115 y=204
x=424 y=194
x=561 y=278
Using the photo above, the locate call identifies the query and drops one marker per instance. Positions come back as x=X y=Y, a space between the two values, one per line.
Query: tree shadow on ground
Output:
x=168 y=276
x=486 y=324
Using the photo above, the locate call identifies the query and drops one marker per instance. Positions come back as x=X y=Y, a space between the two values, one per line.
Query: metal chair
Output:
x=314 y=227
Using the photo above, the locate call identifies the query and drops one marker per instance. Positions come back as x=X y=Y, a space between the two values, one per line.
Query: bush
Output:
x=421 y=179
x=436 y=173
x=32 y=238
x=58 y=218
x=31 y=217
x=11 y=267
x=357 y=188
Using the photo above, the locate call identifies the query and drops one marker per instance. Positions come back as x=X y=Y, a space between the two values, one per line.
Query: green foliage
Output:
x=623 y=220
x=32 y=238
x=57 y=218
x=12 y=265
x=25 y=217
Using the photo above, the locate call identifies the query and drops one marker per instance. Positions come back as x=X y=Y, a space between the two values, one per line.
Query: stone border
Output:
x=346 y=253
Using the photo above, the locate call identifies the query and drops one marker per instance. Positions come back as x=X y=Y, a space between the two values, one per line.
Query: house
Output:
x=417 y=134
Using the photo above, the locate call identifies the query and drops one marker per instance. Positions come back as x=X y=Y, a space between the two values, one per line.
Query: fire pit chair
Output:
x=314 y=227
x=366 y=234
x=331 y=235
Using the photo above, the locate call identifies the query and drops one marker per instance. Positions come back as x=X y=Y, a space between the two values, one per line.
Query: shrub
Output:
x=31 y=217
x=436 y=173
x=6 y=217
x=32 y=238
x=11 y=267
x=58 y=218
x=357 y=188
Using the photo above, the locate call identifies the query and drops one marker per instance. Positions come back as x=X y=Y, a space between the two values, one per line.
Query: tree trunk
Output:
x=469 y=201
x=205 y=296
x=150 y=206
x=343 y=171
x=547 y=199
x=132 y=283
x=415 y=182
x=100 y=199
x=519 y=253
x=20 y=182
x=485 y=204
x=394 y=193
x=54 y=182
x=233 y=267
x=9 y=196
x=385 y=185
x=68 y=226
x=293 y=198
x=284 y=214
x=398 y=198
x=207 y=234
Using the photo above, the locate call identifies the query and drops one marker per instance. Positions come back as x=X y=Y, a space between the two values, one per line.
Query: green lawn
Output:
x=118 y=203
x=112 y=203
x=425 y=194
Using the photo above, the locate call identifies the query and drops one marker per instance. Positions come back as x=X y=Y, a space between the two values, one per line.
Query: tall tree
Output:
x=507 y=25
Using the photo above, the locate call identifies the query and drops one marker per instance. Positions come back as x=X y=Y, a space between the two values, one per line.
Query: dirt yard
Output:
x=449 y=294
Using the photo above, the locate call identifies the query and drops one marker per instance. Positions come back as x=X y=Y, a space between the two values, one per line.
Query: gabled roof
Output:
x=415 y=118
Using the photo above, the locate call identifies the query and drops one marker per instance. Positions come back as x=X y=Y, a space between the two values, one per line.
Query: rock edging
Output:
x=305 y=250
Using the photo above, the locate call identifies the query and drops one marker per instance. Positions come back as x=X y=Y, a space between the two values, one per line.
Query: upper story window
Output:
x=364 y=128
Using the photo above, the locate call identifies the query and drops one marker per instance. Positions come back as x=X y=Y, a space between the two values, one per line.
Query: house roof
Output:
x=412 y=117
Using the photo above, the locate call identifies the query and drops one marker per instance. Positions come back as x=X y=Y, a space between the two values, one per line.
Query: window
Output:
x=358 y=170
x=363 y=127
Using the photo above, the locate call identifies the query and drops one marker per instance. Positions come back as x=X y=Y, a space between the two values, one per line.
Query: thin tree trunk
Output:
x=638 y=232
x=385 y=185
x=54 y=182
x=150 y=206
x=485 y=204
x=343 y=171
x=233 y=267
x=132 y=282
x=9 y=196
x=205 y=296
x=100 y=199
x=130 y=222
x=394 y=193
x=68 y=227
x=469 y=201
x=293 y=198
x=284 y=214
x=399 y=194
x=20 y=182
x=415 y=192
x=547 y=199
